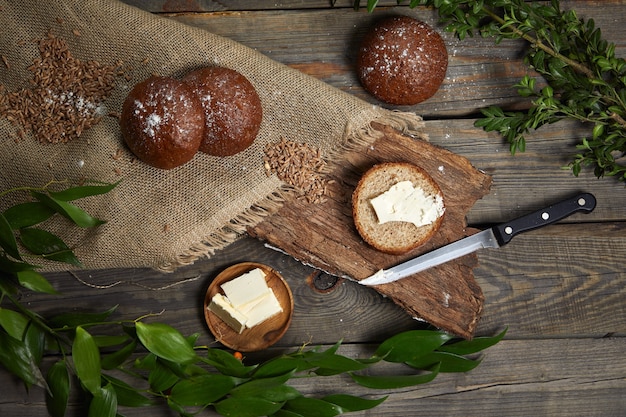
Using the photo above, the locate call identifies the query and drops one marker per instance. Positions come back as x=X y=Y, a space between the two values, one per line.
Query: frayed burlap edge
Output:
x=353 y=139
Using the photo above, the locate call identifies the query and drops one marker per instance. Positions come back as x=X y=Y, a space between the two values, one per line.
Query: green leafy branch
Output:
x=124 y=363
x=23 y=333
x=585 y=80
x=190 y=378
x=23 y=242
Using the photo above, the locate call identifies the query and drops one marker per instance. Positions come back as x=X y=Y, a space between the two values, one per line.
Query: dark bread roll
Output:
x=232 y=109
x=402 y=61
x=162 y=122
x=396 y=237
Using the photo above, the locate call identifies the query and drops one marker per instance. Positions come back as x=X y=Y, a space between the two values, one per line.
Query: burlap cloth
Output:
x=155 y=218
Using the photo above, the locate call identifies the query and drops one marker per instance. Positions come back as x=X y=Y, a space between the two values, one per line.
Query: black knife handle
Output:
x=582 y=202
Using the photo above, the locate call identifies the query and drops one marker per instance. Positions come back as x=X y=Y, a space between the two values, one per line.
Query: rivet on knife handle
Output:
x=583 y=202
x=493 y=237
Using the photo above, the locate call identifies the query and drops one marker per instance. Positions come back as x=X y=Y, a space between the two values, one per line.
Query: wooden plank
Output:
x=179 y=6
x=529 y=180
x=340 y=311
x=555 y=282
x=555 y=377
x=580 y=377
x=565 y=282
x=320 y=316
x=577 y=290
x=323 y=43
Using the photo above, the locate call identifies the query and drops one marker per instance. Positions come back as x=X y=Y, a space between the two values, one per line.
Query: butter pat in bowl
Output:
x=248 y=307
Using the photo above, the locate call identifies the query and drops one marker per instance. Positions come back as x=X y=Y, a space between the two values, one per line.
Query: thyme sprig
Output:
x=585 y=80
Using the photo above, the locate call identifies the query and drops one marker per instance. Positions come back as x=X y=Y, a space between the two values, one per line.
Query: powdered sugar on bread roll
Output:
x=162 y=122
x=423 y=217
x=232 y=108
x=402 y=61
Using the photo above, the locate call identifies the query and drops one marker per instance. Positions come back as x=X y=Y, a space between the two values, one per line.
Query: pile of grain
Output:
x=298 y=165
x=66 y=95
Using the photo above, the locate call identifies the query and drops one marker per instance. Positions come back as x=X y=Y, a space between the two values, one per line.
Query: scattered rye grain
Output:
x=118 y=154
x=298 y=165
x=66 y=95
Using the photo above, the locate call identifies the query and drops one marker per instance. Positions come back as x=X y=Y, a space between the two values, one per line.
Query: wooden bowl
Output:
x=262 y=335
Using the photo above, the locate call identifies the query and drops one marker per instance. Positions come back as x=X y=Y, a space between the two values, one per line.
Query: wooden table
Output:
x=560 y=290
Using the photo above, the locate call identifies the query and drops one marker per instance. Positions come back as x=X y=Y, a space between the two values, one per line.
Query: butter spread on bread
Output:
x=405 y=203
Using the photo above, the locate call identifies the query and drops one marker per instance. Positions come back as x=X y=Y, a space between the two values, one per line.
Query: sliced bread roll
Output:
x=421 y=210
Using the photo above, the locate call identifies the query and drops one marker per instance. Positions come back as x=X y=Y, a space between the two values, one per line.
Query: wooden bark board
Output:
x=323 y=235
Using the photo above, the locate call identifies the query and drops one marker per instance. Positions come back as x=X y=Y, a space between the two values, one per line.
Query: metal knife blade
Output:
x=490 y=238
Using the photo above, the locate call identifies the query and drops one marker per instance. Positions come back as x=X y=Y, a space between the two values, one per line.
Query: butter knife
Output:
x=493 y=237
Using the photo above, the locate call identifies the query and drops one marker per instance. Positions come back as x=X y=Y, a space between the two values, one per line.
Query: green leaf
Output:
x=408 y=346
x=246 y=407
x=48 y=245
x=86 y=357
x=287 y=413
x=12 y=267
x=371 y=5
x=35 y=341
x=7 y=239
x=18 y=359
x=477 y=344
x=27 y=214
x=34 y=281
x=72 y=320
x=104 y=402
x=202 y=390
x=178 y=408
x=161 y=378
x=82 y=191
x=349 y=403
x=272 y=389
x=59 y=382
x=449 y=362
x=337 y=364
x=227 y=363
x=165 y=342
x=394 y=381
x=313 y=407
x=117 y=358
x=108 y=341
x=14 y=323
x=74 y=213
x=277 y=393
x=280 y=366
x=193 y=338
x=127 y=396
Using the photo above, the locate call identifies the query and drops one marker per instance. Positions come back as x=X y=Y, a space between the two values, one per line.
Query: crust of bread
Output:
x=232 y=107
x=162 y=122
x=402 y=61
x=395 y=238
